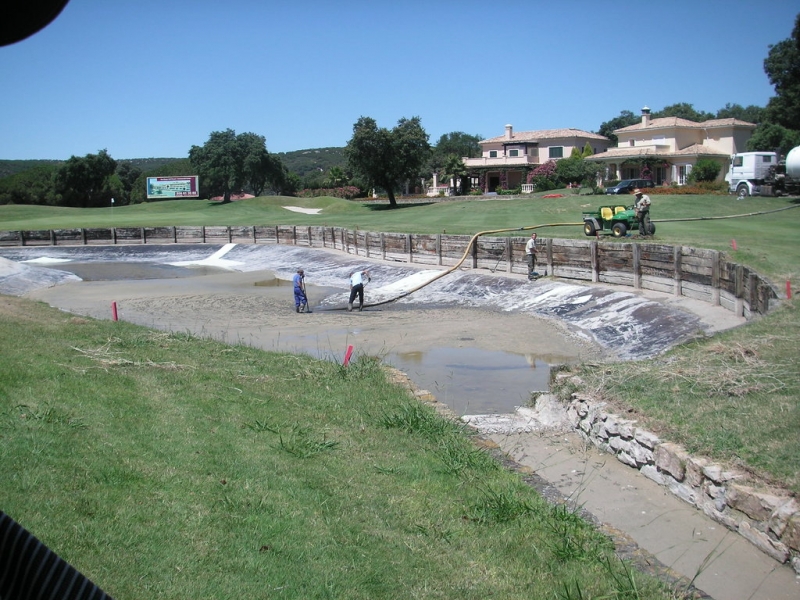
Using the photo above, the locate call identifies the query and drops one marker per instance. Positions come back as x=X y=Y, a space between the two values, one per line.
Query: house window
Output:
x=556 y=151
x=492 y=153
x=513 y=152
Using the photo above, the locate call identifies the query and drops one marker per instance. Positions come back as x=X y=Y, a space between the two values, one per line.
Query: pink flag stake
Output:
x=347 y=355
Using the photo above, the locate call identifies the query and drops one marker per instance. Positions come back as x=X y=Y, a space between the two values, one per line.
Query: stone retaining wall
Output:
x=767 y=518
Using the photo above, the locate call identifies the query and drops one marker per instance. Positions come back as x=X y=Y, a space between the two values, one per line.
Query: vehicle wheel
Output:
x=652 y=228
x=619 y=230
x=742 y=191
x=588 y=228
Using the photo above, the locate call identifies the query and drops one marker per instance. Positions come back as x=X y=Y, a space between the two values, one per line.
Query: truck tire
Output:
x=742 y=191
x=652 y=228
x=589 y=229
x=619 y=230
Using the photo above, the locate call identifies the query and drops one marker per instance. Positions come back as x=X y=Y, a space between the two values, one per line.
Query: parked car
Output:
x=626 y=186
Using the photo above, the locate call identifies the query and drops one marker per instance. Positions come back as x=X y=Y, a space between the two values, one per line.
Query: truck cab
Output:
x=748 y=171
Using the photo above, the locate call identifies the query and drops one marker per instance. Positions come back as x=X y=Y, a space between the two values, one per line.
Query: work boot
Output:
x=349 y=307
x=360 y=307
x=297 y=308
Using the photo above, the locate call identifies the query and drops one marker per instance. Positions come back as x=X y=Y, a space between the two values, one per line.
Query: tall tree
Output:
x=773 y=138
x=459 y=143
x=625 y=119
x=684 y=110
x=782 y=67
x=751 y=114
x=219 y=164
x=387 y=159
x=83 y=182
x=32 y=186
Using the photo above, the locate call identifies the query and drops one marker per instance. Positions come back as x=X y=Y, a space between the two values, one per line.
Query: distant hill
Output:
x=314 y=160
x=12 y=167
x=299 y=162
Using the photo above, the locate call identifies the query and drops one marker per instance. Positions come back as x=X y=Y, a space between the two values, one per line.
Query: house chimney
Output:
x=645 y=117
x=509 y=131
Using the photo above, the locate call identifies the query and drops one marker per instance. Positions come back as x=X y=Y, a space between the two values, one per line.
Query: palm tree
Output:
x=455 y=169
x=336 y=177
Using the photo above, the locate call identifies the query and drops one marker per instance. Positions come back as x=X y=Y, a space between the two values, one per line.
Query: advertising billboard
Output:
x=164 y=188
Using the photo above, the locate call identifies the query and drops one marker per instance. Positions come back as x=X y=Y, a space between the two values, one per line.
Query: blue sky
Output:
x=151 y=78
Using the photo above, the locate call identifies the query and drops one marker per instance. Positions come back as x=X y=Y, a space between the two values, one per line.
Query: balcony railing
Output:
x=500 y=161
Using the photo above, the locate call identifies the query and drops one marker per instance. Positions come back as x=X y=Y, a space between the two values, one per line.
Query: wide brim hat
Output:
x=637 y=191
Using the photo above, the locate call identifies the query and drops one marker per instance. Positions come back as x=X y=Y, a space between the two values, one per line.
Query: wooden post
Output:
x=52 y=237
x=410 y=249
x=277 y=235
x=294 y=235
x=594 y=261
x=715 y=269
x=144 y=236
x=309 y=236
x=549 y=246
x=383 y=246
x=255 y=240
x=174 y=235
x=203 y=233
x=21 y=238
x=83 y=236
x=508 y=253
x=230 y=236
x=114 y=235
x=439 y=248
x=739 y=291
x=636 y=250
x=475 y=253
x=677 y=270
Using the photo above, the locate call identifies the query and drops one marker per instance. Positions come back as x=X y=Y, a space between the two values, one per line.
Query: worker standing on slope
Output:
x=300 y=298
x=358 y=279
x=530 y=254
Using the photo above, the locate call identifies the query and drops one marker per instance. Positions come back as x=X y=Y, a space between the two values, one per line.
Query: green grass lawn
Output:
x=164 y=466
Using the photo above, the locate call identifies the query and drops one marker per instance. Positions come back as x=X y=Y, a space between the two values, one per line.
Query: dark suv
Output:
x=626 y=186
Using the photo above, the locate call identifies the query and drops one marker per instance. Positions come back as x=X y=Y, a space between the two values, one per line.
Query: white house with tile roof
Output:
x=666 y=149
x=506 y=160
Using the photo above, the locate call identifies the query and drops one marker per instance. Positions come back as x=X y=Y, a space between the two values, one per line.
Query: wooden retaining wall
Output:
x=680 y=270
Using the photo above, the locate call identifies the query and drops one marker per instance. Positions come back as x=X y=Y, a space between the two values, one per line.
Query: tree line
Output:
x=376 y=157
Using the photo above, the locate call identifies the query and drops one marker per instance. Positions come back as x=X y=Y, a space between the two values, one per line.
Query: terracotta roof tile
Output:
x=544 y=134
x=664 y=122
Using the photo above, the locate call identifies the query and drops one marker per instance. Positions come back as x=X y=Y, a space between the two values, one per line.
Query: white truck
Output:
x=761 y=173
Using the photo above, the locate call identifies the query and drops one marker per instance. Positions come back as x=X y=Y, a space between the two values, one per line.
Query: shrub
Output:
x=705 y=170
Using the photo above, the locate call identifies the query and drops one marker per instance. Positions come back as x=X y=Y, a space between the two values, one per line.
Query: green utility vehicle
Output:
x=615 y=219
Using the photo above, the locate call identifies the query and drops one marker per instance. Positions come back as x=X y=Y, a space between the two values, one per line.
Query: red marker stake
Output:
x=347 y=355
x=733 y=244
x=114 y=311
x=788 y=290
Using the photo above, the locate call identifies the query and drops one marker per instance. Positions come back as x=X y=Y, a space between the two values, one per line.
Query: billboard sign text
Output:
x=173 y=187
